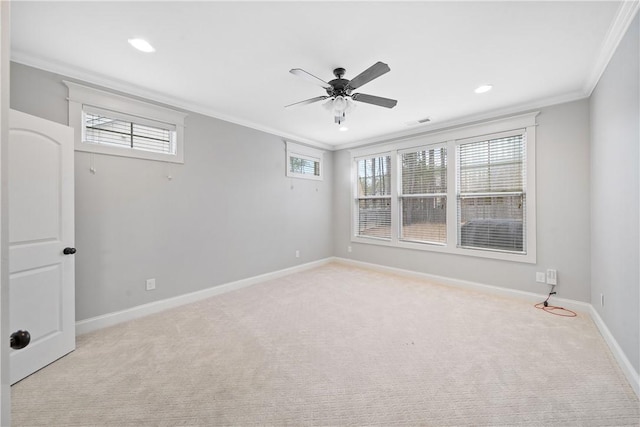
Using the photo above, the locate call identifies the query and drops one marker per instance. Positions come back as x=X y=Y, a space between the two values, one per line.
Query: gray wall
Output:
x=615 y=137
x=562 y=156
x=228 y=213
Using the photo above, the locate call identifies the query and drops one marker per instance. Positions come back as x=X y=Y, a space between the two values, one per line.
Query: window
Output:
x=119 y=130
x=423 y=195
x=468 y=191
x=112 y=124
x=491 y=194
x=374 y=197
x=303 y=166
x=303 y=162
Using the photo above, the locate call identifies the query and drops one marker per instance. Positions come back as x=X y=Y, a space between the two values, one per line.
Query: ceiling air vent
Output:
x=419 y=122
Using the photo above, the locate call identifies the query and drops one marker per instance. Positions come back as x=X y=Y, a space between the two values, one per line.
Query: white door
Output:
x=41 y=226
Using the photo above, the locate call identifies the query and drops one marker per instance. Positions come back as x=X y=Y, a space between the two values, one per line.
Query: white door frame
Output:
x=5 y=46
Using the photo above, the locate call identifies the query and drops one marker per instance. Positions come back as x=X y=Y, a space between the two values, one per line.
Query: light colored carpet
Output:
x=336 y=345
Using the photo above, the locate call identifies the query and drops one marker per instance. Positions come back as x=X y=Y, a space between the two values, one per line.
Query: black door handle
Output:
x=69 y=251
x=20 y=339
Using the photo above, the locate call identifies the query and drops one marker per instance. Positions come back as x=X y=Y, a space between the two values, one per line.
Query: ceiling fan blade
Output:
x=310 y=77
x=308 y=101
x=373 y=72
x=375 y=100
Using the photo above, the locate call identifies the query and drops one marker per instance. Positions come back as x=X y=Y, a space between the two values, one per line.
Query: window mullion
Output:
x=452 y=201
x=396 y=181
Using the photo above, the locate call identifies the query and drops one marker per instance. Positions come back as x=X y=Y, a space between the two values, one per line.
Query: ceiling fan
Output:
x=339 y=90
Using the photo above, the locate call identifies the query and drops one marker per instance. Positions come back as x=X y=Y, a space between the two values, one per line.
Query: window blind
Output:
x=423 y=196
x=121 y=130
x=491 y=191
x=304 y=166
x=374 y=197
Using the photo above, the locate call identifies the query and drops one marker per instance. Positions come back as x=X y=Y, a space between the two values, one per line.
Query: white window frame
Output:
x=400 y=152
x=81 y=96
x=355 y=212
x=524 y=191
x=450 y=138
x=298 y=151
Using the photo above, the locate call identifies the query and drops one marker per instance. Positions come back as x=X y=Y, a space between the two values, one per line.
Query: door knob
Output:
x=20 y=339
x=69 y=251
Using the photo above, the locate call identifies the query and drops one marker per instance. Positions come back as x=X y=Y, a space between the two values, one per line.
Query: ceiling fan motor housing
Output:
x=339 y=86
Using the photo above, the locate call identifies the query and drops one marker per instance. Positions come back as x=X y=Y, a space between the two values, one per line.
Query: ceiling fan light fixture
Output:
x=350 y=106
x=340 y=104
x=483 y=88
x=142 y=45
x=343 y=129
x=328 y=105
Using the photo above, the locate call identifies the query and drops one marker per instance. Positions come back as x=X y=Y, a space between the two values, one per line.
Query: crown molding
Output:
x=625 y=15
x=84 y=76
x=434 y=127
x=112 y=84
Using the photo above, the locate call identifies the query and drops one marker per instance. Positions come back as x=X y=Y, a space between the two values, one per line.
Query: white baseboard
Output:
x=110 y=319
x=624 y=363
x=628 y=370
x=465 y=284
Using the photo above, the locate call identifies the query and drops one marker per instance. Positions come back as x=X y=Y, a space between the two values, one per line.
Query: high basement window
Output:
x=121 y=130
x=304 y=162
x=113 y=124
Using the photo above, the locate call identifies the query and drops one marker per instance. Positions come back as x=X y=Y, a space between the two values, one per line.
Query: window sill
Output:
x=123 y=152
x=529 y=258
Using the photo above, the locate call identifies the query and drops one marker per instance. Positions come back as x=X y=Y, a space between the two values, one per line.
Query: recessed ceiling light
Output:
x=343 y=128
x=483 y=88
x=142 y=45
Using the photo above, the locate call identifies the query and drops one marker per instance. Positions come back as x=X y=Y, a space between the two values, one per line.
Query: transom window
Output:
x=121 y=130
x=302 y=166
x=107 y=123
x=304 y=162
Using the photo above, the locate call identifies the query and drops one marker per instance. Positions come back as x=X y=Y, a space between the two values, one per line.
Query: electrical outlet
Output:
x=349 y=249
x=151 y=284
x=601 y=300
x=297 y=254
x=540 y=277
x=552 y=276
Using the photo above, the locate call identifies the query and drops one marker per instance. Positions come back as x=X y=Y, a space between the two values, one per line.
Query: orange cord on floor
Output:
x=564 y=312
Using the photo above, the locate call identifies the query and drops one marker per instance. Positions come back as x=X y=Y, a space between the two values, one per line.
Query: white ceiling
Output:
x=232 y=59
